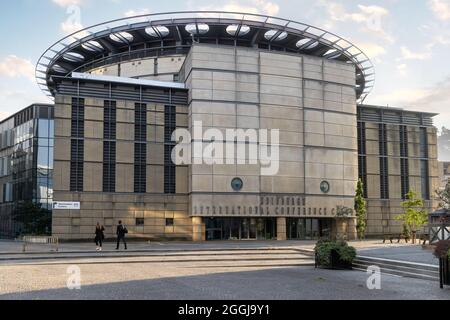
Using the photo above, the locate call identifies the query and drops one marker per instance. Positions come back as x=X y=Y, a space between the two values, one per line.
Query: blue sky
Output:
x=408 y=41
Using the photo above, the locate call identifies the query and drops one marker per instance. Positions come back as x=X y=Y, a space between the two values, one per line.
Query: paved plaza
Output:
x=191 y=271
x=192 y=282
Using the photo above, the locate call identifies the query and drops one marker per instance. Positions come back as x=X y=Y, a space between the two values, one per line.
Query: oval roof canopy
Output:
x=118 y=39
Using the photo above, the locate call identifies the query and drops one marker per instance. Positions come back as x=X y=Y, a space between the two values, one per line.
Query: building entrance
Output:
x=308 y=229
x=241 y=228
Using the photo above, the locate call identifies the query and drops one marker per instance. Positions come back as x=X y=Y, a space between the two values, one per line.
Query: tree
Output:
x=361 y=210
x=414 y=215
x=444 y=196
x=33 y=219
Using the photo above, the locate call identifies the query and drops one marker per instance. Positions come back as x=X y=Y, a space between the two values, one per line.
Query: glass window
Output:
x=425 y=185
x=42 y=188
x=140 y=222
x=43 y=128
x=423 y=143
x=50 y=158
x=43 y=158
x=43 y=142
x=169 y=222
x=43 y=112
x=51 y=129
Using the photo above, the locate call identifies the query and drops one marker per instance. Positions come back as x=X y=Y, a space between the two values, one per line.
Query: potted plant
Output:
x=442 y=252
x=334 y=254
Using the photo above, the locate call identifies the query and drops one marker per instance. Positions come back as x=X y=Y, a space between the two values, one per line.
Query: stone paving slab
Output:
x=169 y=282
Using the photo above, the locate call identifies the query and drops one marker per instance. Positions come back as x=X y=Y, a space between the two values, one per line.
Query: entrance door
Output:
x=253 y=227
x=248 y=229
x=235 y=229
x=261 y=229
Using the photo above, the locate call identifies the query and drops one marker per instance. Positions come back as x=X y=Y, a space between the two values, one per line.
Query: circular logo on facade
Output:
x=237 y=184
x=325 y=186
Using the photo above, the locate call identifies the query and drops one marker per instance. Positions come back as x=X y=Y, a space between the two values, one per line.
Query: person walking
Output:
x=121 y=232
x=99 y=236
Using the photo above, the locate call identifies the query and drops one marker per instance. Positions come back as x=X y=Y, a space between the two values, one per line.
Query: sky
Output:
x=408 y=41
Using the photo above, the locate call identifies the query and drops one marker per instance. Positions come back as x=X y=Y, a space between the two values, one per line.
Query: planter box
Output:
x=335 y=262
x=444 y=271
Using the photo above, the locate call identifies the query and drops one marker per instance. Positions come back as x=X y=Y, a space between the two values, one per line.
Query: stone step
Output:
x=162 y=250
x=125 y=254
x=399 y=268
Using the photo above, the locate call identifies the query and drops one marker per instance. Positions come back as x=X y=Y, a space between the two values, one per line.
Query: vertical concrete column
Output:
x=345 y=229
x=340 y=229
x=352 y=234
x=198 y=229
x=281 y=229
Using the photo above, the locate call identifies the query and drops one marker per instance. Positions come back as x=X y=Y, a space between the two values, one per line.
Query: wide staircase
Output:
x=229 y=258
x=398 y=268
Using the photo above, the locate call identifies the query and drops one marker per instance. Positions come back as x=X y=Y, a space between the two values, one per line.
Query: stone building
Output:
x=397 y=152
x=120 y=93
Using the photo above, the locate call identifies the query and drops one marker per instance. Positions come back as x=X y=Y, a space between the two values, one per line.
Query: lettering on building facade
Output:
x=269 y=206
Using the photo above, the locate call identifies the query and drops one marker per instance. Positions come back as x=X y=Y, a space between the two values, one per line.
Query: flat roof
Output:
x=396 y=109
x=21 y=110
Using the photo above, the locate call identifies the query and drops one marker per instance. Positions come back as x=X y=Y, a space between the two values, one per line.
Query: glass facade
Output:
x=308 y=229
x=384 y=172
x=404 y=162
x=26 y=163
x=170 y=125
x=241 y=228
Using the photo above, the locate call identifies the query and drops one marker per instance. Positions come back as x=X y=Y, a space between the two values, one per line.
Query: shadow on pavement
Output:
x=271 y=284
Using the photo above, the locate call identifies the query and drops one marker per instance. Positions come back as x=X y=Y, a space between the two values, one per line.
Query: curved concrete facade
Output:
x=311 y=102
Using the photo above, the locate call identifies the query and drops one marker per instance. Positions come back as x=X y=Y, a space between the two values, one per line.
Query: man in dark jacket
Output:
x=121 y=232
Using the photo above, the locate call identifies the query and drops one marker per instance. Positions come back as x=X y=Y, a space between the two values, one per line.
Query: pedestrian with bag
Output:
x=121 y=232
x=99 y=236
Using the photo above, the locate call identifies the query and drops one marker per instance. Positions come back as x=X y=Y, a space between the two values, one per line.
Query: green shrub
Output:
x=323 y=251
x=347 y=253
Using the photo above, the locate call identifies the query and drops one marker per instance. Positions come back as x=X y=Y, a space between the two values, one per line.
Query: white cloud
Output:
x=407 y=54
x=69 y=27
x=370 y=17
x=132 y=13
x=15 y=67
x=402 y=69
x=440 y=8
x=249 y=6
x=66 y=3
x=372 y=50
x=439 y=34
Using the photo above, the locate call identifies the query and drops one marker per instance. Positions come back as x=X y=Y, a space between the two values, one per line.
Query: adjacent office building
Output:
x=26 y=163
x=120 y=92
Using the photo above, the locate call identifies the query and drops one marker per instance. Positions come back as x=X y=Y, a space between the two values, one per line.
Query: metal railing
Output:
x=27 y=240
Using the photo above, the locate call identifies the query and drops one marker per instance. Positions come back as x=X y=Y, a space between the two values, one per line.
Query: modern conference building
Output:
x=121 y=88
